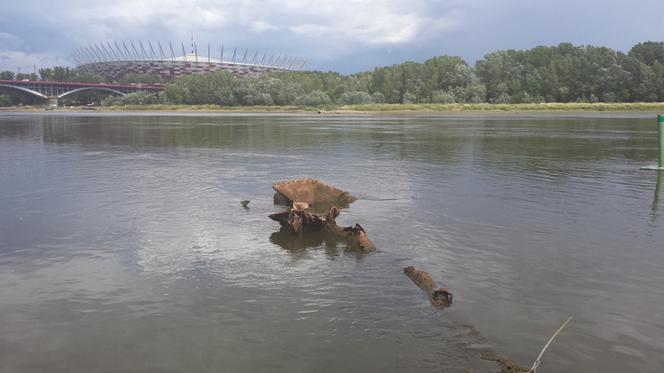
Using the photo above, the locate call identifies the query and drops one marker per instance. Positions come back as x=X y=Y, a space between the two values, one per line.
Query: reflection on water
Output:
x=297 y=243
x=287 y=240
x=123 y=245
x=658 y=194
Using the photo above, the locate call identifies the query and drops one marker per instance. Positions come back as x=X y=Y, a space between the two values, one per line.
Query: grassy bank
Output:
x=623 y=106
x=166 y=107
x=627 y=106
x=189 y=108
x=380 y=108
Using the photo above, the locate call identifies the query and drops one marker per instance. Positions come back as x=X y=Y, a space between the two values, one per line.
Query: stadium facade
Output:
x=114 y=60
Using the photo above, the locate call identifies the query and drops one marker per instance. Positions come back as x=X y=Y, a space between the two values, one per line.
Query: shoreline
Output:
x=435 y=110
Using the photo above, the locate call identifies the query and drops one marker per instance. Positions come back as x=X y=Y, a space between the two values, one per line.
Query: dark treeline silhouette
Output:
x=562 y=73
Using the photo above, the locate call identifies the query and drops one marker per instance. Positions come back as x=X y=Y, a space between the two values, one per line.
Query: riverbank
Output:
x=375 y=108
x=540 y=107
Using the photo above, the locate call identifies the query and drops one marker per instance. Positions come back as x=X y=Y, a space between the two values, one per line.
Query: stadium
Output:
x=114 y=60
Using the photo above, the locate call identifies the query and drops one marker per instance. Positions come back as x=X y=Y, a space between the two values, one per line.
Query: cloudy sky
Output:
x=346 y=36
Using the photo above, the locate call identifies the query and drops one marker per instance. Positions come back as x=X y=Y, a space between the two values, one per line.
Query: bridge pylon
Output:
x=52 y=101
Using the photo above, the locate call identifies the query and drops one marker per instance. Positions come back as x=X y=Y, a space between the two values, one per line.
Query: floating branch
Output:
x=539 y=357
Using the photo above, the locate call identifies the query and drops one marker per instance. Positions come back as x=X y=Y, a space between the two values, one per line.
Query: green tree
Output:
x=6 y=75
x=63 y=73
x=566 y=73
x=5 y=100
x=141 y=78
x=378 y=98
x=315 y=98
x=355 y=97
x=83 y=77
x=561 y=73
x=46 y=73
x=26 y=76
x=648 y=52
x=136 y=98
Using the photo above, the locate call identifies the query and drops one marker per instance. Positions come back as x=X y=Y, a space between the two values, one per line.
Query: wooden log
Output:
x=439 y=297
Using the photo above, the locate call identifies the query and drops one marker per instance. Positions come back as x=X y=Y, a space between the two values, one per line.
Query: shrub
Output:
x=315 y=98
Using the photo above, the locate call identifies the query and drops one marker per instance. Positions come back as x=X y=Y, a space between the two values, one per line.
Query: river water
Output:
x=124 y=248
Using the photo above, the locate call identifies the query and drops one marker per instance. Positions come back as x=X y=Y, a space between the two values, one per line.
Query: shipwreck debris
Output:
x=297 y=220
x=355 y=236
x=310 y=191
x=439 y=297
x=309 y=197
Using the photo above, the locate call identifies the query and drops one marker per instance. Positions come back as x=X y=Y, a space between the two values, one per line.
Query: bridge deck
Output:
x=75 y=85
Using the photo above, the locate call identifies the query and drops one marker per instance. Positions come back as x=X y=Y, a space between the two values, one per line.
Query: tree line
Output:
x=562 y=73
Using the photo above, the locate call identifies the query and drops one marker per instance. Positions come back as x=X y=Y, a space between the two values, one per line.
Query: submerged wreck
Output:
x=312 y=192
x=297 y=219
x=306 y=223
x=303 y=196
x=355 y=236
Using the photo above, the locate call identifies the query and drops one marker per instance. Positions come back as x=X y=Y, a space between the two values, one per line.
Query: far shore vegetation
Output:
x=559 y=78
x=377 y=108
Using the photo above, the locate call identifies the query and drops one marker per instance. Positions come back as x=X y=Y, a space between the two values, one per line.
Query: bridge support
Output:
x=52 y=101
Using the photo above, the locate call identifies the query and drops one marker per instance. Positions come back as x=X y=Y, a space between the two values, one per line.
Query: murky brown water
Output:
x=123 y=246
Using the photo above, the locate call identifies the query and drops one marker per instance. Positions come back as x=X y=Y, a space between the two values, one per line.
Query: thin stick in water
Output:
x=538 y=360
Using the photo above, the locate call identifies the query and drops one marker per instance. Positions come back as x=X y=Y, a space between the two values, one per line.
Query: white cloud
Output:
x=358 y=24
x=379 y=22
x=7 y=39
x=311 y=30
x=361 y=22
x=262 y=26
x=322 y=30
x=14 y=60
x=126 y=14
x=326 y=32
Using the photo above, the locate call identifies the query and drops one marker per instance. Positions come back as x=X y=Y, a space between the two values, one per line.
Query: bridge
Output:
x=53 y=91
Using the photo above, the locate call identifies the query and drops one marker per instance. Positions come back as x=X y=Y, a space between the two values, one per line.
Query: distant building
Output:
x=114 y=61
